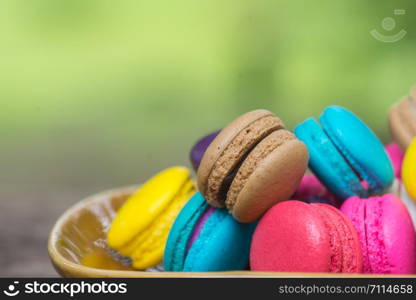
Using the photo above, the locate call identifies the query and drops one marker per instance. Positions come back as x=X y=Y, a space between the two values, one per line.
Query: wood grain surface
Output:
x=26 y=217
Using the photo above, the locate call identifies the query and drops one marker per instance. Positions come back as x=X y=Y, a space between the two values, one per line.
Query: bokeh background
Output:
x=97 y=94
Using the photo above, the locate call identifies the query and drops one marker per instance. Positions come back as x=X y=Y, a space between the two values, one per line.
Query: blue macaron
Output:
x=344 y=152
x=204 y=238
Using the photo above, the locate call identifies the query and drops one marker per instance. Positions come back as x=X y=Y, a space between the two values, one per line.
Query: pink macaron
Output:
x=386 y=232
x=396 y=156
x=311 y=190
x=294 y=236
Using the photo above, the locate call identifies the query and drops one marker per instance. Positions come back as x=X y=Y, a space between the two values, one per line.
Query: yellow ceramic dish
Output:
x=141 y=226
x=77 y=246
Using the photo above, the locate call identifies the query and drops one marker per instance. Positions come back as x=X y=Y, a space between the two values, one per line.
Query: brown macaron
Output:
x=402 y=120
x=252 y=164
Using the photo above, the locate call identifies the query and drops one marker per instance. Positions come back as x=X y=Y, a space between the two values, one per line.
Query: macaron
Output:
x=141 y=226
x=253 y=163
x=409 y=170
x=198 y=150
x=311 y=190
x=345 y=153
x=204 y=238
x=402 y=120
x=294 y=236
x=386 y=232
x=396 y=157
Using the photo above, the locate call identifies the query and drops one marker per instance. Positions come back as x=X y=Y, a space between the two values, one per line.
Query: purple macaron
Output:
x=200 y=147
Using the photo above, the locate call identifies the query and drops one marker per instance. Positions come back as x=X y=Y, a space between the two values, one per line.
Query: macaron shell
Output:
x=311 y=190
x=326 y=161
x=386 y=232
x=150 y=244
x=291 y=237
x=396 y=156
x=200 y=225
x=359 y=145
x=260 y=151
x=391 y=237
x=228 y=148
x=222 y=245
x=181 y=231
x=409 y=170
x=354 y=209
x=274 y=179
x=225 y=136
x=308 y=187
x=402 y=121
x=336 y=236
x=352 y=260
x=142 y=208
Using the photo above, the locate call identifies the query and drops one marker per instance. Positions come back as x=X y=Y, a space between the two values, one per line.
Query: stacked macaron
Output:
x=326 y=198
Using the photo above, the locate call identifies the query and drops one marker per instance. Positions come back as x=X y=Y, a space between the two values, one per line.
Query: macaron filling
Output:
x=176 y=244
x=360 y=146
x=327 y=162
x=234 y=154
x=247 y=167
x=225 y=186
x=199 y=225
x=374 y=186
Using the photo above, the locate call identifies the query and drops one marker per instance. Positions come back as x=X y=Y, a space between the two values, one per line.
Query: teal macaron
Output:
x=204 y=238
x=345 y=154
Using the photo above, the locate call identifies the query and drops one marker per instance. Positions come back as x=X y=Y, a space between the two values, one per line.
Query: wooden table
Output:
x=26 y=217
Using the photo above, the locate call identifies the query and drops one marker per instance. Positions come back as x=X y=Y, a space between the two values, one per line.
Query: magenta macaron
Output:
x=294 y=236
x=396 y=157
x=387 y=235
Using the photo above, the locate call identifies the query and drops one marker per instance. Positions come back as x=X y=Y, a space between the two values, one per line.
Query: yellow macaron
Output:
x=142 y=224
x=409 y=170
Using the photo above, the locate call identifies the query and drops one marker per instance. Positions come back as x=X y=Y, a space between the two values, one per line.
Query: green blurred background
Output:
x=97 y=94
